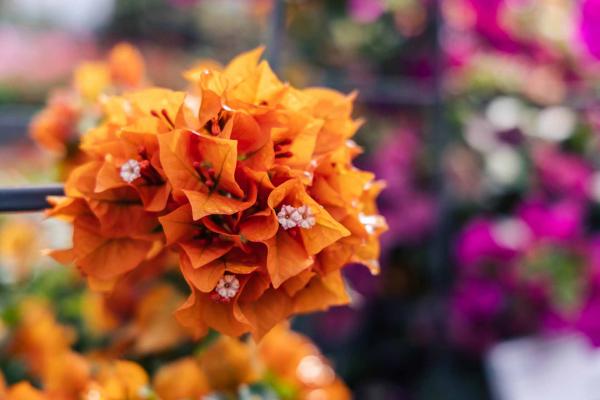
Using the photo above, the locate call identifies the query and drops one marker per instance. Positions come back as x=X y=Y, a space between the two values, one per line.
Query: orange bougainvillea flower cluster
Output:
x=247 y=178
x=284 y=361
x=71 y=111
x=44 y=346
x=288 y=361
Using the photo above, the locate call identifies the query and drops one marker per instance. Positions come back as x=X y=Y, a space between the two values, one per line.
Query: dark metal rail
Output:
x=31 y=198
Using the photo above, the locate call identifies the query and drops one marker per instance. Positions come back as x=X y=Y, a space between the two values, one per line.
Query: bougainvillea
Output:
x=533 y=272
x=247 y=178
x=285 y=365
x=71 y=111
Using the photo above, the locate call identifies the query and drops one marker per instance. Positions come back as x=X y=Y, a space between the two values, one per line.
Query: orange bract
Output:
x=297 y=363
x=225 y=366
x=248 y=179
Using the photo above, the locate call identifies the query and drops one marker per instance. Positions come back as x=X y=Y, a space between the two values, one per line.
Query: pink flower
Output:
x=478 y=243
x=366 y=11
x=409 y=209
x=562 y=174
x=560 y=222
x=589 y=27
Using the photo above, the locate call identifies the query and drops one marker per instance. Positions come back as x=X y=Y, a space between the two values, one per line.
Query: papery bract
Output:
x=248 y=179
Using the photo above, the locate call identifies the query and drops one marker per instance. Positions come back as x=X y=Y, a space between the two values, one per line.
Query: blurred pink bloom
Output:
x=484 y=311
x=366 y=11
x=478 y=244
x=589 y=27
x=40 y=57
x=589 y=320
x=488 y=24
x=562 y=174
x=410 y=211
x=506 y=286
x=560 y=222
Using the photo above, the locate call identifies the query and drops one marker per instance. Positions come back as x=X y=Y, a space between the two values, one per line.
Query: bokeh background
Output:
x=482 y=116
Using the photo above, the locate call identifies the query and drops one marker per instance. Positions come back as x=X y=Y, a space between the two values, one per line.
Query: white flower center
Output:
x=228 y=286
x=291 y=217
x=130 y=171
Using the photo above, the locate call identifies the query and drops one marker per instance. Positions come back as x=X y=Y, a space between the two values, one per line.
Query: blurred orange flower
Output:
x=45 y=347
x=285 y=360
x=228 y=364
x=294 y=361
x=20 y=246
x=70 y=112
x=181 y=379
x=288 y=361
x=118 y=380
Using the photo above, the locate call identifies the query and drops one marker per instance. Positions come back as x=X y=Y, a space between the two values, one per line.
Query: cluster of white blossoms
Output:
x=228 y=286
x=130 y=171
x=291 y=217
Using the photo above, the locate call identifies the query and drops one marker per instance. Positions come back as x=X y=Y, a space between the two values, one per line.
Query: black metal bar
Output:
x=439 y=262
x=31 y=198
x=276 y=35
x=440 y=273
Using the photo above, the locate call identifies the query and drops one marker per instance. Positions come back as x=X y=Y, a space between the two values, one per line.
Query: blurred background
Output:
x=482 y=116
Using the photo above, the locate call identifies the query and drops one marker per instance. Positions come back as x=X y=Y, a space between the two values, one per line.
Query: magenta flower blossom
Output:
x=560 y=222
x=366 y=11
x=588 y=321
x=484 y=311
x=533 y=272
x=478 y=243
x=562 y=174
x=488 y=25
x=589 y=27
x=409 y=209
x=474 y=308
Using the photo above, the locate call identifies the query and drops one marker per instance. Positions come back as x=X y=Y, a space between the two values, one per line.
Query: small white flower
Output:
x=291 y=217
x=228 y=286
x=285 y=217
x=307 y=220
x=130 y=171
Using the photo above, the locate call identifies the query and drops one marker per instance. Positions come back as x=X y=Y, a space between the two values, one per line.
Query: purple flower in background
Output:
x=488 y=24
x=481 y=241
x=560 y=222
x=473 y=309
x=504 y=240
x=409 y=210
x=396 y=158
x=562 y=174
x=589 y=320
x=535 y=271
x=362 y=281
x=366 y=11
x=484 y=311
x=592 y=250
x=589 y=27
